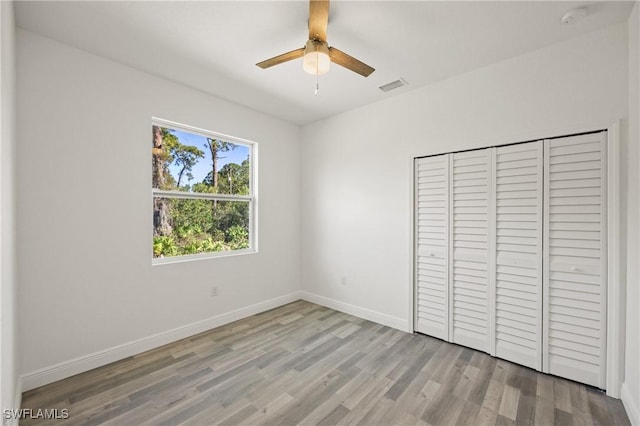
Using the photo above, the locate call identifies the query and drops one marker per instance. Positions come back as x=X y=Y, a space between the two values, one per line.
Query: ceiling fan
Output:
x=317 y=54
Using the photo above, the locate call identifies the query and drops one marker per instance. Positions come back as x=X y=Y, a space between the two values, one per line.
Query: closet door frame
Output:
x=615 y=304
x=615 y=287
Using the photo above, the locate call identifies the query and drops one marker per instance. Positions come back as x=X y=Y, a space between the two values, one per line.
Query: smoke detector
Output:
x=574 y=15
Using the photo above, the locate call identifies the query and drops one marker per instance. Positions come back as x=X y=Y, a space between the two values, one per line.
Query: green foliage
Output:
x=197 y=225
x=164 y=246
x=238 y=237
x=234 y=179
x=169 y=142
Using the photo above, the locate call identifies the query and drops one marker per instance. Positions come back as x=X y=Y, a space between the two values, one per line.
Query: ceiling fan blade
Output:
x=349 y=62
x=285 y=57
x=318 y=19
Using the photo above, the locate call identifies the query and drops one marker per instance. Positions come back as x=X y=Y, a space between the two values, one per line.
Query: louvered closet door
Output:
x=432 y=206
x=575 y=258
x=518 y=279
x=469 y=252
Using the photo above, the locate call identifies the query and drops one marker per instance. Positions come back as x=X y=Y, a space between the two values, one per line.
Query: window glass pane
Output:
x=192 y=226
x=189 y=162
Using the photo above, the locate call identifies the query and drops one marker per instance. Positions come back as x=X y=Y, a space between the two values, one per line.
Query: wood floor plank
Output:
x=562 y=395
x=618 y=414
x=334 y=416
x=544 y=387
x=526 y=413
x=580 y=405
x=366 y=399
x=486 y=417
x=509 y=404
x=306 y=364
x=504 y=421
x=264 y=393
x=408 y=376
x=376 y=412
x=481 y=383
x=444 y=410
x=599 y=409
x=468 y=414
x=523 y=379
x=409 y=401
x=134 y=417
x=430 y=389
x=545 y=412
x=351 y=361
x=501 y=371
x=493 y=397
x=239 y=417
x=308 y=401
x=408 y=419
x=322 y=410
x=275 y=405
x=447 y=366
x=465 y=382
x=562 y=418
x=88 y=405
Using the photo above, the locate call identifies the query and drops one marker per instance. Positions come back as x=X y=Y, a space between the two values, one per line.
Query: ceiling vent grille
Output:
x=393 y=85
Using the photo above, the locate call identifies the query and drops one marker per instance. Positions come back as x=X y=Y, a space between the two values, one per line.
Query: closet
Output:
x=510 y=253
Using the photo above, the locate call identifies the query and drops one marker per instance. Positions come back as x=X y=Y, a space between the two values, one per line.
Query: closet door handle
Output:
x=432 y=254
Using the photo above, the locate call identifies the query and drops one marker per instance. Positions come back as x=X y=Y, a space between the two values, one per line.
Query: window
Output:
x=203 y=193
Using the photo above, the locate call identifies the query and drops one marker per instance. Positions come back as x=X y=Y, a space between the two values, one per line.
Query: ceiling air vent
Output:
x=393 y=85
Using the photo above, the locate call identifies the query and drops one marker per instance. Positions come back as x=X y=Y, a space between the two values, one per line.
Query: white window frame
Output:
x=252 y=198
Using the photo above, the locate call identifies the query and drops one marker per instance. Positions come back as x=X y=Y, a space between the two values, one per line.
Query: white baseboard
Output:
x=630 y=405
x=368 y=314
x=81 y=364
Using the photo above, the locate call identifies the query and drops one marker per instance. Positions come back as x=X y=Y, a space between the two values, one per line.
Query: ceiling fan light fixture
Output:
x=316 y=55
x=316 y=59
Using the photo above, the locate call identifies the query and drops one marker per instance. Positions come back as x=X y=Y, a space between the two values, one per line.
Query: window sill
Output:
x=191 y=257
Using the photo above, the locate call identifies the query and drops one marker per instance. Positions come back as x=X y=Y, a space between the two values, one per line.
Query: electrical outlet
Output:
x=343 y=281
x=214 y=291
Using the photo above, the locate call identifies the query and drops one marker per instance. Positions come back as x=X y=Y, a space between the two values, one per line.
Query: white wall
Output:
x=630 y=394
x=84 y=205
x=357 y=166
x=10 y=386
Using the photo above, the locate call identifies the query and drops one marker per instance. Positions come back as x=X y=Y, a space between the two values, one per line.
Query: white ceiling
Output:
x=214 y=45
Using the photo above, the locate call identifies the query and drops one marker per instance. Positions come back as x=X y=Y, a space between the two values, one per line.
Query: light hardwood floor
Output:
x=307 y=364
